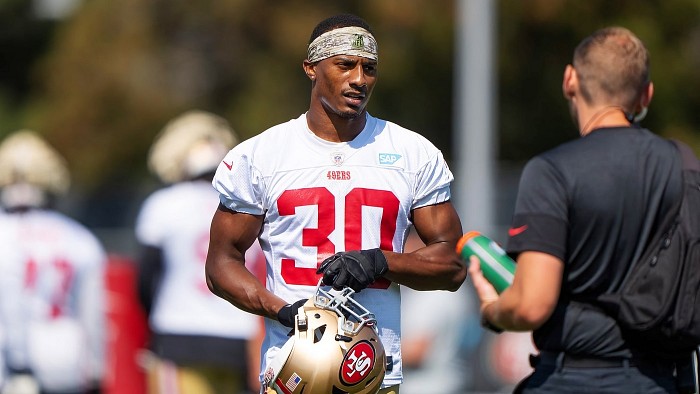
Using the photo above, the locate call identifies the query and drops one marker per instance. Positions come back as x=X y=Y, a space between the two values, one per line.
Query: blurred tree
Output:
x=23 y=39
x=119 y=70
x=537 y=40
x=115 y=72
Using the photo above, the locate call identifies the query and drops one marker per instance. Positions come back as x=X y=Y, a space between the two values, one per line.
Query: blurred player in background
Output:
x=51 y=276
x=198 y=341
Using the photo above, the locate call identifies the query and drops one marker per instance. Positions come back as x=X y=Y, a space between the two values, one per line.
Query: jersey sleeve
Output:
x=433 y=182
x=540 y=218
x=239 y=183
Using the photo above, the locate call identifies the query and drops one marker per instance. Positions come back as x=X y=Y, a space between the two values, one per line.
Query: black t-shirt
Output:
x=594 y=203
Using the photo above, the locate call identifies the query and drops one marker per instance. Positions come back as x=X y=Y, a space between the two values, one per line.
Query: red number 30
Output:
x=318 y=237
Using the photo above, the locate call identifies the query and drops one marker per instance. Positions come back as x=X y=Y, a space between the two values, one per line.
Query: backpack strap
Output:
x=610 y=303
x=688 y=158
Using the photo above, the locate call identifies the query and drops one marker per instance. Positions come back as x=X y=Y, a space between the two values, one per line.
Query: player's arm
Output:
x=531 y=298
x=232 y=233
x=436 y=266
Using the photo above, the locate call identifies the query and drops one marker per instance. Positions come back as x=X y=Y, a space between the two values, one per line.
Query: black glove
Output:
x=287 y=314
x=356 y=270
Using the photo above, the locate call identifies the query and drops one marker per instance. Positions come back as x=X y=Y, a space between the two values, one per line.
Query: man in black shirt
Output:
x=584 y=212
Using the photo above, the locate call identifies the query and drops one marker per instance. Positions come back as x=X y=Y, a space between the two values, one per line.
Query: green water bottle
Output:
x=496 y=266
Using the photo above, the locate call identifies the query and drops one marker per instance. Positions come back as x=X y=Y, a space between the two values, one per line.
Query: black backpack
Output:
x=658 y=305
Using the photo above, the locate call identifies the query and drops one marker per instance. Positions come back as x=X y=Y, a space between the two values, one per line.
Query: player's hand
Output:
x=286 y=315
x=356 y=269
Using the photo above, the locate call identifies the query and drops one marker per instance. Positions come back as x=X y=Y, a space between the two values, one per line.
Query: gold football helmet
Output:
x=190 y=145
x=335 y=349
x=31 y=171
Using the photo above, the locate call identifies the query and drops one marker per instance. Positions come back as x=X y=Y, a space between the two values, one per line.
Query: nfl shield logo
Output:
x=337 y=158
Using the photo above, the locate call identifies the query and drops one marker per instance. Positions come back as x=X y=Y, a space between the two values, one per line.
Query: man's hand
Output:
x=288 y=312
x=355 y=269
x=485 y=291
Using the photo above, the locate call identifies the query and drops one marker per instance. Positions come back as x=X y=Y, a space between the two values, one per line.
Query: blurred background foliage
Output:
x=101 y=80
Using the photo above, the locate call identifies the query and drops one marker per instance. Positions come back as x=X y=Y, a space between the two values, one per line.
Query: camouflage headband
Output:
x=353 y=40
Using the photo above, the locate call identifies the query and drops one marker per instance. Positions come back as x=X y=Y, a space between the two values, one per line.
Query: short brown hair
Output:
x=612 y=65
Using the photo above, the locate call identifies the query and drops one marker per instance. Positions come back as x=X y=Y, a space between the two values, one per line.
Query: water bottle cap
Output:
x=465 y=238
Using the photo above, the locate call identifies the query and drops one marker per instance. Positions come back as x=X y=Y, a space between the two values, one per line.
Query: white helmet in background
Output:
x=190 y=145
x=30 y=171
x=335 y=349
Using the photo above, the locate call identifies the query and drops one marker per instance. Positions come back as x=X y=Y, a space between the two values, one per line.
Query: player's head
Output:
x=32 y=172
x=341 y=63
x=612 y=67
x=335 y=348
x=190 y=146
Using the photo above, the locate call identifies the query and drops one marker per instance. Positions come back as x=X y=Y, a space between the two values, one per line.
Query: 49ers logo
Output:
x=357 y=364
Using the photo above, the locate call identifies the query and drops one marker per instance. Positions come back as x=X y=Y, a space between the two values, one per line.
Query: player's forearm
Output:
x=241 y=288
x=433 y=267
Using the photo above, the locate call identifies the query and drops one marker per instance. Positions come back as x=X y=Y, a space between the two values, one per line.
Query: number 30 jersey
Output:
x=320 y=197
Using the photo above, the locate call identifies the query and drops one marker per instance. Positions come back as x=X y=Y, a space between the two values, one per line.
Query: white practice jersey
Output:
x=320 y=197
x=52 y=298
x=176 y=219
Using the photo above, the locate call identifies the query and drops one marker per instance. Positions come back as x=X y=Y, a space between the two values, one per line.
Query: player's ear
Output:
x=309 y=69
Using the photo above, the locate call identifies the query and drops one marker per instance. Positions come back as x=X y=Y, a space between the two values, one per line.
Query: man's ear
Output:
x=647 y=94
x=640 y=111
x=309 y=69
x=570 y=82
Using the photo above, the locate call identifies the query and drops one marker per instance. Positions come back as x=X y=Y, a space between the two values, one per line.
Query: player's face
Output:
x=344 y=83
